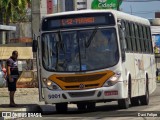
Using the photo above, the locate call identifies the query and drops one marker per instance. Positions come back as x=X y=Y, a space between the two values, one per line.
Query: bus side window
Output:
x=141 y=38
x=137 y=38
x=128 y=37
x=151 y=42
x=149 y=39
x=133 y=38
x=130 y=34
x=145 y=39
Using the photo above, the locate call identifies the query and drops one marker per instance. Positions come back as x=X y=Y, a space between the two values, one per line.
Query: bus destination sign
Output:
x=71 y=21
x=78 y=21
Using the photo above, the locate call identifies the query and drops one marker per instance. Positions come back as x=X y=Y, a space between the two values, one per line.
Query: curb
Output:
x=21 y=107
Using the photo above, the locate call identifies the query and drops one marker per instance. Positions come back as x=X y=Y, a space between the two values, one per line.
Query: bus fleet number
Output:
x=53 y=96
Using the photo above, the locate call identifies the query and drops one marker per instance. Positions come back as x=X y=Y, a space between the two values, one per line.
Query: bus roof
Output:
x=117 y=14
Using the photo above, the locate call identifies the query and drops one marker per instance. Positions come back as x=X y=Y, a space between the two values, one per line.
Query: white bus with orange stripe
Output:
x=91 y=56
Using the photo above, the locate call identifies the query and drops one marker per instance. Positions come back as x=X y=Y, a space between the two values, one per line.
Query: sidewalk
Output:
x=22 y=96
x=28 y=101
x=26 y=98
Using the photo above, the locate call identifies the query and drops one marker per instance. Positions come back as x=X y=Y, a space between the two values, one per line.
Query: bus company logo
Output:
x=81 y=86
x=102 y=1
x=6 y=114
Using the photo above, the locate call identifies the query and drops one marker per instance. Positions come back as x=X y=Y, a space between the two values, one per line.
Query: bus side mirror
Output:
x=34 y=45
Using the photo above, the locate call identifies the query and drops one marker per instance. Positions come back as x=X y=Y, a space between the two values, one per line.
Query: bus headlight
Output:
x=51 y=85
x=112 y=81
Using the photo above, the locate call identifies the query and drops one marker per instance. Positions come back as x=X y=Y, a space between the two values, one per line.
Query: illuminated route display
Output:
x=81 y=20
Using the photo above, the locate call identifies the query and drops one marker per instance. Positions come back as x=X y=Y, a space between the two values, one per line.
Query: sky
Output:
x=142 y=9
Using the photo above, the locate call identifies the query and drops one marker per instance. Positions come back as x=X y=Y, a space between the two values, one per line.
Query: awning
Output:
x=155 y=29
x=7 y=28
x=23 y=52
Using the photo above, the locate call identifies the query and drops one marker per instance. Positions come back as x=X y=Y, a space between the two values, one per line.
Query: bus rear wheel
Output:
x=134 y=101
x=145 y=98
x=61 y=107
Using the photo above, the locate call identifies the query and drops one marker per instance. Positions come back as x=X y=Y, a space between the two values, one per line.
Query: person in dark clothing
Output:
x=12 y=76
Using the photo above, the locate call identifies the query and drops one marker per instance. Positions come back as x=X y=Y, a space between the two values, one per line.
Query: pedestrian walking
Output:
x=12 y=76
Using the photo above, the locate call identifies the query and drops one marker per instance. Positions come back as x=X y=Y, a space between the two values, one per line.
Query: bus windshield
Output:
x=80 y=50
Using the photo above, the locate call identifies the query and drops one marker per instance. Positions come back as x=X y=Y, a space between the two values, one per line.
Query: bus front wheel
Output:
x=82 y=106
x=91 y=106
x=61 y=107
x=123 y=103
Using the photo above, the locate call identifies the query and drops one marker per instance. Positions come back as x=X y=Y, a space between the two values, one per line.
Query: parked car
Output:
x=2 y=78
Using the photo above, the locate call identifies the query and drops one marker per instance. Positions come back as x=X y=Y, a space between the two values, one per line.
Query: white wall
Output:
x=89 y=4
x=43 y=7
x=81 y=4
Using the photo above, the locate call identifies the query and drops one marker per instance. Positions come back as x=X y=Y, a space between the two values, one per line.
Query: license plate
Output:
x=108 y=93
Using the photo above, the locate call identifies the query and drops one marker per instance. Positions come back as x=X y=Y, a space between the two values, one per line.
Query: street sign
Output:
x=106 y=4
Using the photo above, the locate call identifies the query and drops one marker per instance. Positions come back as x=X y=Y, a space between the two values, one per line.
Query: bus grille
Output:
x=81 y=94
x=81 y=78
x=86 y=86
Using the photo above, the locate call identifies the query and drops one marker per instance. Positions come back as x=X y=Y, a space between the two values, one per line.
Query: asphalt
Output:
x=28 y=102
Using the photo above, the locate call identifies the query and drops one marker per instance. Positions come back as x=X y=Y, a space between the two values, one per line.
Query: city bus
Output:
x=90 y=56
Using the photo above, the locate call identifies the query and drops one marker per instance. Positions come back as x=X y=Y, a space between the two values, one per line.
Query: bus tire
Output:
x=91 y=106
x=61 y=107
x=145 y=98
x=81 y=106
x=134 y=101
x=123 y=103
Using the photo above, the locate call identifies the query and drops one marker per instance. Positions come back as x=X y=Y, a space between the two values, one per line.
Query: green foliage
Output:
x=13 y=10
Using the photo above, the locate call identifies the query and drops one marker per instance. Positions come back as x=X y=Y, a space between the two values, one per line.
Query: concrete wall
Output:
x=89 y=2
x=36 y=16
x=81 y=4
x=43 y=7
x=22 y=30
x=23 y=33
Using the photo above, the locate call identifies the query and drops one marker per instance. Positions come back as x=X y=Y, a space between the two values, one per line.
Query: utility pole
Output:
x=35 y=20
x=1 y=22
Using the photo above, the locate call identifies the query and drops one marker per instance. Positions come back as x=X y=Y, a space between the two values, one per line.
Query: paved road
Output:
x=104 y=111
x=107 y=111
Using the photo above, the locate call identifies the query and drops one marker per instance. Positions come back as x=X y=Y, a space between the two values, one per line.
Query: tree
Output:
x=14 y=10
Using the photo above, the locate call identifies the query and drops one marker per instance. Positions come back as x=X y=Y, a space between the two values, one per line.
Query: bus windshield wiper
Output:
x=59 y=47
x=87 y=44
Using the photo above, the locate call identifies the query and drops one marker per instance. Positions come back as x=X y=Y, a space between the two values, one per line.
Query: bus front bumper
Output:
x=104 y=93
